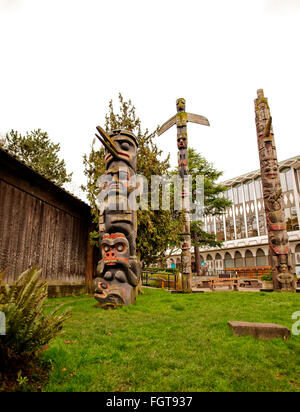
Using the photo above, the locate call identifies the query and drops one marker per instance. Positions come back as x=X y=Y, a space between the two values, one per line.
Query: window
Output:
x=229 y=194
x=209 y=261
x=289 y=179
x=251 y=190
x=297 y=254
x=240 y=192
x=262 y=224
x=258 y=188
x=210 y=226
x=249 y=259
x=252 y=226
x=220 y=228
x=283 y=182
x=238 y=260
x=236 y=195
x=240 y=227
x=286 y=179
x=291 y=219
x=229 y=228
x=228 y=261
x=261 y=259
x=246 y=192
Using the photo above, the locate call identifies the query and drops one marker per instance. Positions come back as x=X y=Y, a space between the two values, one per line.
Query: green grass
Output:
x=167 y=342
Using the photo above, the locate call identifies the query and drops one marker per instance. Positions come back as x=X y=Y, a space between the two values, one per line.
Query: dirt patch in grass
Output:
x=26 y=375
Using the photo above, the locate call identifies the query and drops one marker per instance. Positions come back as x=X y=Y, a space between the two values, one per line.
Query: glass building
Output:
x=243 y=227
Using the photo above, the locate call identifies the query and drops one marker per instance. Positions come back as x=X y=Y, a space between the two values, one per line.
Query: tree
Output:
x=157 y=229
x=37 y=151
x=159 y=233
x=214 y=202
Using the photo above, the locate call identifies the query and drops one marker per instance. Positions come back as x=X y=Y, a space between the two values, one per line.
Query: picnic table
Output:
x=203 y=283
x=230 y=282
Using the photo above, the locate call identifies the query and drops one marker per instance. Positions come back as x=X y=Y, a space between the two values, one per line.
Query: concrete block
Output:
x=259 y=330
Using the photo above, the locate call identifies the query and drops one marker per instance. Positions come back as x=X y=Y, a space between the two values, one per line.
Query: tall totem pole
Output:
x=279 y=251
x=118 y=269
x=181 y=119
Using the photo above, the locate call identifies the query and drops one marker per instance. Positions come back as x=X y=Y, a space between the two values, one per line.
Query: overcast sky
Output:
x=63 y=60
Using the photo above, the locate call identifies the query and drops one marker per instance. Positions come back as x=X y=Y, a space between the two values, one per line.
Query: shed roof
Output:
x=22 y=169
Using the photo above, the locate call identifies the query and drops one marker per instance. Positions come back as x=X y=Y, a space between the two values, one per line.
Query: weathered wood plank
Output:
x=197 y=118
x=40 y=225
x=169 y=123
x=7 y=229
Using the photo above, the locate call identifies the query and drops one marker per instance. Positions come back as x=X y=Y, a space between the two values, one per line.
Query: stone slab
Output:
x=259 y=330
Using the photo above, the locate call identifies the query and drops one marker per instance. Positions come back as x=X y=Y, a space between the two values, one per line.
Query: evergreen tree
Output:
x=214 y=203
x=37 y=151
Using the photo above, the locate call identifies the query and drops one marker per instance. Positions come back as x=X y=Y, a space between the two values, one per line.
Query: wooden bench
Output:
x=231 y=283
x=250 y=283
x=203 y=284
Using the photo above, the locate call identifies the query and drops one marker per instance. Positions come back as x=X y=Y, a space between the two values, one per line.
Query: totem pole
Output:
x=118 y=269
x=181 y=119
x=279 y=251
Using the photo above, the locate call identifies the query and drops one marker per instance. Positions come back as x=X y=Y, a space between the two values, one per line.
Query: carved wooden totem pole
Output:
x=119 y=269
x=181 y=119
x=279 y=251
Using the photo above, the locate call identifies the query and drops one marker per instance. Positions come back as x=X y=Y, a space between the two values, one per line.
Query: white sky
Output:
x=63 y=60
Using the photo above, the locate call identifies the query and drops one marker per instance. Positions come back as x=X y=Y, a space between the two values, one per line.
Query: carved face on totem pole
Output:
x=271 y=184
x=275 y=220
x=118 y=268
x=117 y=275
x=180 y=104
x=270 y=168
x=262 y=112
x=279 y=242
x=273 y=198
x=268 y=150
x=125 y=147
x=182 y=141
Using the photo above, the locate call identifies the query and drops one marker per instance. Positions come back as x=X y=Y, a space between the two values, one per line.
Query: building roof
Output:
x=293 y=161
x=28 y=170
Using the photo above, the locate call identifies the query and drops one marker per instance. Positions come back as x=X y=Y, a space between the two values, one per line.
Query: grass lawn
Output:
x=167 y=342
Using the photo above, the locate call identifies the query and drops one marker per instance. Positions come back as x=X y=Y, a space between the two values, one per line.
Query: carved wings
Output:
x=194 y=118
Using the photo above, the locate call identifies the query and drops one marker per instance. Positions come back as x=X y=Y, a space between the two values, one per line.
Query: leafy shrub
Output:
x=267 y=277
x=27 y=328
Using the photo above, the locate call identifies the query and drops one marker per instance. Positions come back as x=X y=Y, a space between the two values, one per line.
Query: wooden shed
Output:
x=42 y=224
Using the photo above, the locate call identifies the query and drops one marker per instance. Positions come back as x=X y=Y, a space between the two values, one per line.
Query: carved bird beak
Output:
x=107 y=142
